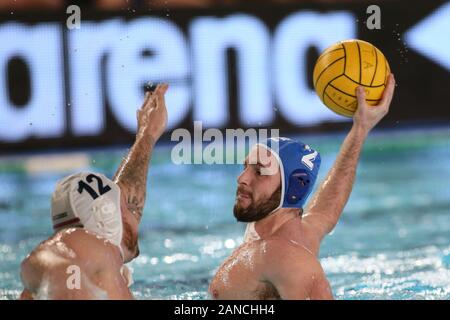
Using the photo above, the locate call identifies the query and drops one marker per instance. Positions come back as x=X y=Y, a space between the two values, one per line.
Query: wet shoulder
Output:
x=278 y=250
x=80 y=244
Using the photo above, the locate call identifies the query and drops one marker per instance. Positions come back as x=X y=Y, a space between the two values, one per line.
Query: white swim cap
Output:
x=91 y=201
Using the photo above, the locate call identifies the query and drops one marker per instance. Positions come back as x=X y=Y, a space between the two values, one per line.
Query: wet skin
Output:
x=284 y=263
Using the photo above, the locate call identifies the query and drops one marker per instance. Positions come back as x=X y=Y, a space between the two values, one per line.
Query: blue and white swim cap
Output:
x=299 y=166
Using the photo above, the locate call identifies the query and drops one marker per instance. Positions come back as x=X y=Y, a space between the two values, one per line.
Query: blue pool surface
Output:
x=392 y=242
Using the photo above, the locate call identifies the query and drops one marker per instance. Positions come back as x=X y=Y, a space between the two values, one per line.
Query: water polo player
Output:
x=96 y=221
x=279 y=256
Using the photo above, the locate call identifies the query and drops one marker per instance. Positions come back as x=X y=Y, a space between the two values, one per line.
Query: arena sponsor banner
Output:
x=68 y=83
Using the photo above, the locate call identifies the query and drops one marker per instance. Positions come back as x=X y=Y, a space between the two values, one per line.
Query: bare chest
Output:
x=241 y=276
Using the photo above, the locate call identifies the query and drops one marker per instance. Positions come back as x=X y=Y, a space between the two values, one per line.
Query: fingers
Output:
x=361 y=96
x=148 y=100
x=161 y=89
x=389 y=91
x=147 y=97
x=156 y=95
x=164 y=87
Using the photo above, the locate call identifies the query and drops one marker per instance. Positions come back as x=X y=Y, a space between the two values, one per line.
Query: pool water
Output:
x=392 y=242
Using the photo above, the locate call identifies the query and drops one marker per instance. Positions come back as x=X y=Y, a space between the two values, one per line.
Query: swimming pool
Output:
x=392 y=242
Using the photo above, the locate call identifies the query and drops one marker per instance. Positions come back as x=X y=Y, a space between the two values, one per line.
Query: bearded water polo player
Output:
x=279 y=258
x=96 y=223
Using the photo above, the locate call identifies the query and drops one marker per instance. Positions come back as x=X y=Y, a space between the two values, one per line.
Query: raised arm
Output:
x=131 y=175
x=327 y=204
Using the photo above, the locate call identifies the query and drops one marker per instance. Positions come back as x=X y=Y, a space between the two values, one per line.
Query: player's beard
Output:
x=259 y=210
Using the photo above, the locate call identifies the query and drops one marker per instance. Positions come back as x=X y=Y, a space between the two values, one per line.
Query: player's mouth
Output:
x=242 y=194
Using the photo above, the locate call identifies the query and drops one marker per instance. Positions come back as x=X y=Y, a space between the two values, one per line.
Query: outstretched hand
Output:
x=152 y=116
x=366 y=117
